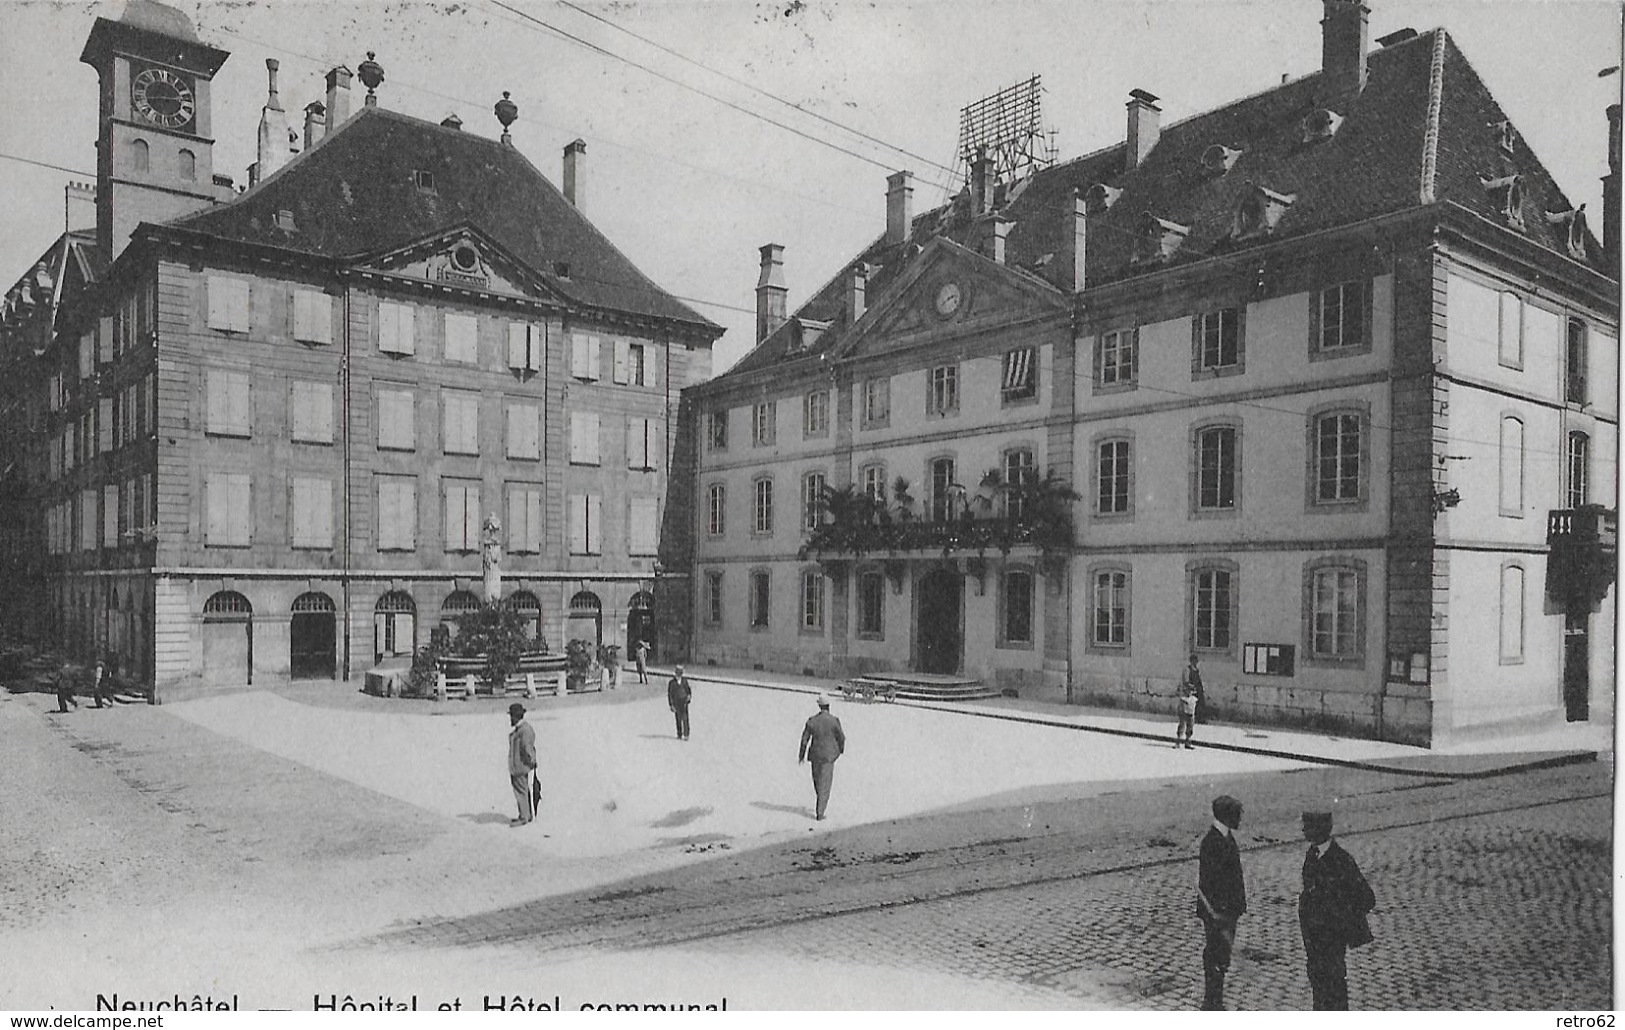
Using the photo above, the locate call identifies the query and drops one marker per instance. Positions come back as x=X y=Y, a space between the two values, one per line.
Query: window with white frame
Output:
x=942 y=396
x=812 y=500
x=312 y=414
x=764 y=506
x=1340 y=323
x=397 y=328
x=639 y=370
x=763 y=427
x=1117 y=358
x=228 y=303
x=586 y=524
x=944 y=497
x=1113 y=477
x=815 y=414
x=1509 y=347
x=761 y=596
x=1579 y=470
x=397 y=419
x=1512 y=614
x=230 y=514
x=462 y=338
x=1575 y=390
x=642 y=444
x=1109 y=603
x=718 y=435
x=1016 y=603
x=463 y=516
x=312 y=512
x=643 y=526
x=312 y=316
x=1334 y=612
x=872 y=478
x=1020 y=476
x=526 y=346
x=1216 y=339
x=397 y=513
x=716 y=508
x=812 y=600
x=871 y=605
x=586 y=356
x=524 y=430
x=230 y=407
x=1511 y=466
x=525 y=527
x=713 y=598
x=1339 y=441
x=876 y=401
x=460 y=428
x=1217 y=468
x=1212 y=608
x=1020 y=379
x=584 y=438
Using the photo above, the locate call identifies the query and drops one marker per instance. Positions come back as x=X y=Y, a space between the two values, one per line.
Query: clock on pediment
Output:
x=163 y=97
x=950 y=297
x=462 y=263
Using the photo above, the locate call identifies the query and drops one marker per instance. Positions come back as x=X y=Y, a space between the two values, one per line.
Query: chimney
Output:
x=991 y=231
x=338 y=97
x=273 y=137
x=899 y=207
x=857 y=285
x=315 y=123
x=451 y=121
x=982 y=183
x=1344 y=36
x=1142 y=127
x=1071 y=264
x=770 y=292
x=1610 y=196
x=575 y=166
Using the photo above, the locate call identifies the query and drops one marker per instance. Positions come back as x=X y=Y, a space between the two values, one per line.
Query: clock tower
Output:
x=154 y=149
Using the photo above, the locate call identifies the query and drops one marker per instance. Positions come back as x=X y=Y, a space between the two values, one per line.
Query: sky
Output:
x=731 y=124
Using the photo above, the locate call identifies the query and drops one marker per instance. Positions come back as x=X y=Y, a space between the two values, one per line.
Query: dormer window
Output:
x=1158 y=239
x=1508 y=137
x=561 y=269
x=1259 y=211
x=1321 y=124
x=1573 y=222
x=1217 y=159
x=1507 y=194
x=1099 y=198
x=284 y=220
x=424 y=180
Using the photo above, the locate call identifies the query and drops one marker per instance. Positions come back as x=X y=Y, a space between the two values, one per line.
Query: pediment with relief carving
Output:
x=462 y=257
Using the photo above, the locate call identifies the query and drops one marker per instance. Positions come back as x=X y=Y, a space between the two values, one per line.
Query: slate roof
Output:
x=354 y=195
x=1378 y=162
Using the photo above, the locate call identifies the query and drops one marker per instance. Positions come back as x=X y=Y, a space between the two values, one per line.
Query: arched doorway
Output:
x=457 y=604
x=941 y=636
x=586 y=620
x=394 y=626
x=313 y=638
x=228 y=640
x=640 y=622
x=527 y=605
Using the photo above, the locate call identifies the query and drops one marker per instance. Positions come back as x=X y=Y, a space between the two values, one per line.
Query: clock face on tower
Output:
x=163 y=98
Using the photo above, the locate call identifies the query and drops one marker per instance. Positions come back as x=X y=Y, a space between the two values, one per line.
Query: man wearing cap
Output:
x=521 y=762
x=678 y=695
x=1221 y=896
x=1331 y=912
x=823 y=741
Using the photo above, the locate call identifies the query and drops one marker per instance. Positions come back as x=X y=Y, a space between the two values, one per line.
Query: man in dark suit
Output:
x=823 y=741
x=678 y=695
x=1221 y=897
x=1331 y=911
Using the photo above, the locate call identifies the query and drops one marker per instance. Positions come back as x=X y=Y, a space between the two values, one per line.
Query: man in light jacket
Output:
x=521 y=762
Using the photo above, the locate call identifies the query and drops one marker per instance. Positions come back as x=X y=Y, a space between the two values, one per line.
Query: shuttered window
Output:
x=312 y=316
x=524 y=430
x=524 y=519
x=586 y=356
x=643 y=526
x=312 y=415
x=104 y=424
x=228 y=304
x=584 y=449
x=623 y=362
x=642 y=444
x=462 y=338
x=396 y=328
x=397 y=513
x=397 y=420
x=525 y=346
x=461 y=424
x=230 y=516
x=110 y=519
x=586 y=524
x=229 y=402
x=312 y=512
x=462 y=515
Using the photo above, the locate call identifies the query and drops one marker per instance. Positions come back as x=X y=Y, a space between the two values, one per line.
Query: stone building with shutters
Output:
x=1332 y=370
x=264 y=428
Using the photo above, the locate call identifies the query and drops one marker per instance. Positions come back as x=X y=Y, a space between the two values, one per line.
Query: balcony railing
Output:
x=949 y=537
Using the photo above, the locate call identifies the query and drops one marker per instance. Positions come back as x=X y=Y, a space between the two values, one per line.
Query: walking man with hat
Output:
x=823 y=741
x=521 y=762
x=1331 y=912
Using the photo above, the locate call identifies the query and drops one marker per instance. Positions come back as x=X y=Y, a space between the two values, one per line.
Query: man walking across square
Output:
x=521 y=762
x=1331 y=912
x=823 y=741
x=678 y=695
x=1221 y=897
